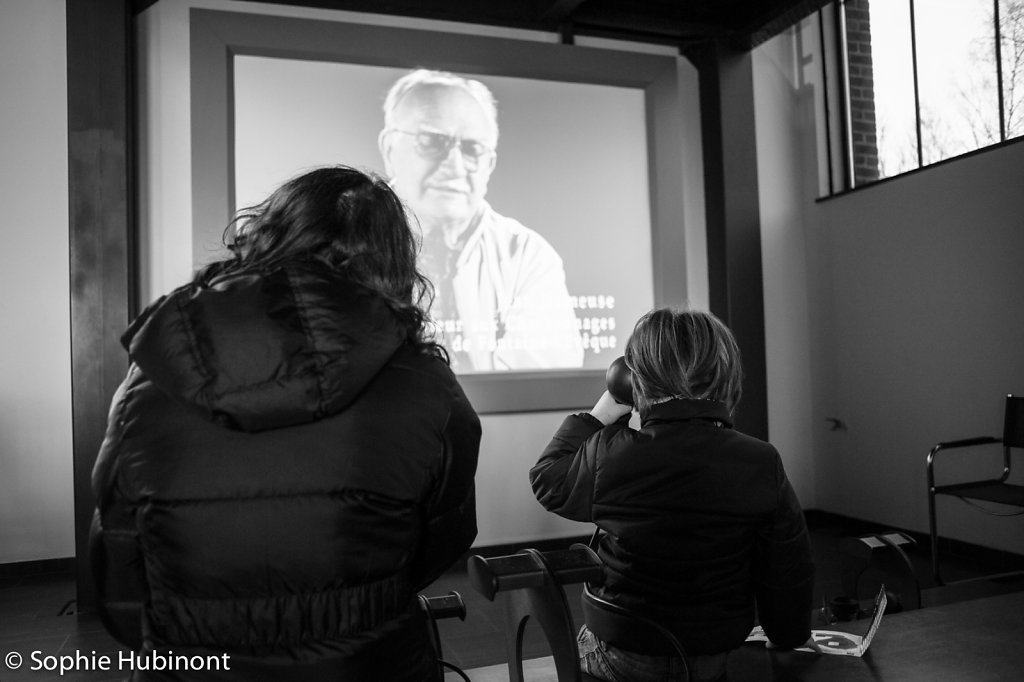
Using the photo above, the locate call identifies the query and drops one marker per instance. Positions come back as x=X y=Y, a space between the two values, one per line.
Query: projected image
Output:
x=501 y=298
x=531 y=197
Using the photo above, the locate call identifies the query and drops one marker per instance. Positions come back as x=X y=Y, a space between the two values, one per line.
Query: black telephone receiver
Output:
x=619 y=380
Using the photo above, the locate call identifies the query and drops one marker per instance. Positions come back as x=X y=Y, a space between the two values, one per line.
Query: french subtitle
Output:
x=79 y=661
x=593 y=302
x=595 y=324
x=598 y=342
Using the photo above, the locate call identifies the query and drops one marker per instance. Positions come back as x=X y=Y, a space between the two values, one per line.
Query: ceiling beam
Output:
x=781 y=16
x=558 y=11
x=641 y=24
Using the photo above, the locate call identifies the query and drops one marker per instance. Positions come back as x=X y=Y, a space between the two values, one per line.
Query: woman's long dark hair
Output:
x=343 y=218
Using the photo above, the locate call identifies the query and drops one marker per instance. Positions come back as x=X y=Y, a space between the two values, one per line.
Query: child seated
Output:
x=700 y=524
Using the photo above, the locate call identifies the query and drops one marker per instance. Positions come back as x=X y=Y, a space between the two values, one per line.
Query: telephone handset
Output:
x=619 y=380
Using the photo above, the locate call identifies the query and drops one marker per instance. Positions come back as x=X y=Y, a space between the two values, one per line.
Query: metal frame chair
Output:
x=634 y=632
x=601 y=616
x=532 y=585
x=996 y=490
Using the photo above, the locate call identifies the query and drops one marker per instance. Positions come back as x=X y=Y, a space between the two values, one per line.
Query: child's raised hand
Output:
x=607 y=410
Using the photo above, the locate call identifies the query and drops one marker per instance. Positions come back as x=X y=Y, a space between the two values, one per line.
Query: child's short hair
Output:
x=683 y=354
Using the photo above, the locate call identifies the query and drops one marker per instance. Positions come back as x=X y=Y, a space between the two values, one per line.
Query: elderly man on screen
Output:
x=500 y=294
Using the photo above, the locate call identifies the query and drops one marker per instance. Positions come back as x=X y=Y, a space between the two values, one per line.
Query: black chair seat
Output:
x=1003 y=493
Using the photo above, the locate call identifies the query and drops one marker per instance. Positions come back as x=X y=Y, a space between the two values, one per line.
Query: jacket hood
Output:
x=262 y=351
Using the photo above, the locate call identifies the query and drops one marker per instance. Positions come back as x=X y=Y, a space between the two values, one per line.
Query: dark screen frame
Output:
x=216 y=37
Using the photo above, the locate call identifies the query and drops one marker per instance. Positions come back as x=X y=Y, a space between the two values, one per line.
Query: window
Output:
x=928 y=80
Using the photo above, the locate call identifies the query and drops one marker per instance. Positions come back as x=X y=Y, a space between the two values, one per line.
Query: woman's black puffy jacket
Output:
x=282 y=472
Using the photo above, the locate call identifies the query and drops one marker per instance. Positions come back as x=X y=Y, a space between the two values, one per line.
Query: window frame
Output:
x=845 y=173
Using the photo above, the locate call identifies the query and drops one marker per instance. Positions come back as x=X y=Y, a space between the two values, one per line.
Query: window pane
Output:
x=1011 y=28
x=956 y=76
x=893 y=60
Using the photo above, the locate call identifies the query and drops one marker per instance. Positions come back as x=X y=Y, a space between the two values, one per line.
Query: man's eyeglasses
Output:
x=437 y=146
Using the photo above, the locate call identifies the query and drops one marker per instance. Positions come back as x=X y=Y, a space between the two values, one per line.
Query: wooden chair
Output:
x=995 y=490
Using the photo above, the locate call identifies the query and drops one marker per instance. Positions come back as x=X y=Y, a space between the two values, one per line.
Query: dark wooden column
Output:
x=101 y=207
x=733 y=215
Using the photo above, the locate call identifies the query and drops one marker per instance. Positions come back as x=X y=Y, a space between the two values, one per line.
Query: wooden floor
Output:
x=37 y=611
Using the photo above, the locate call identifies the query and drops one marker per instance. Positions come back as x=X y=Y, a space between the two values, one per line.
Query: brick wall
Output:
x=863 y=130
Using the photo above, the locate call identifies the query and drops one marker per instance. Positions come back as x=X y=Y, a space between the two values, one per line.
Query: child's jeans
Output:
x=617 y=665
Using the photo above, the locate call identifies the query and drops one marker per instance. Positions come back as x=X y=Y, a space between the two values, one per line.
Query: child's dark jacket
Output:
x=700 y=522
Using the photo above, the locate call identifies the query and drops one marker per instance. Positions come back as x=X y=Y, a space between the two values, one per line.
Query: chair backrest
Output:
x=626 y=629
x=1013 y=424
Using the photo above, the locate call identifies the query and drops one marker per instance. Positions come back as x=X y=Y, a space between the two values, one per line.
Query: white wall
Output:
x=928 y=283
x=895 y=308
x=36 y=490
x=784 y=109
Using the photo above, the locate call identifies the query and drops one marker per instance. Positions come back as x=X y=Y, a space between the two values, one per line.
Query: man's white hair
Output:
x=423 y=78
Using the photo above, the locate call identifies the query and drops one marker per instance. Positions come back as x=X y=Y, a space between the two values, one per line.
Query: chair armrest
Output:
x=968 y=442
x=949 y=445
x=450 y=605
x=532 y=569
x=965 y=443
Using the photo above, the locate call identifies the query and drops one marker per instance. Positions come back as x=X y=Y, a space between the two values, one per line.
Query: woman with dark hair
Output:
x=699 y=522
x=290 y=458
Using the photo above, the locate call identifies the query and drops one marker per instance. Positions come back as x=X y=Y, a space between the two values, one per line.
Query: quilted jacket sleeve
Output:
x=784 y=570
x=564 y=476
x=451 y=512
x=114 y=552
